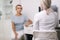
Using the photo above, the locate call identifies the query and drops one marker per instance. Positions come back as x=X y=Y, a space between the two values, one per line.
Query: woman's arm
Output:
x=14 y=30
x=36 y=22
x=28 y=23
x=13 y=27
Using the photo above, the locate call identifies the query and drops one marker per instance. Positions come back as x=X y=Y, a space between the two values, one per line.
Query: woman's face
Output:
x=19 y=9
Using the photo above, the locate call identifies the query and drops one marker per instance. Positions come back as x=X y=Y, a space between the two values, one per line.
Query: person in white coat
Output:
x=45 y=22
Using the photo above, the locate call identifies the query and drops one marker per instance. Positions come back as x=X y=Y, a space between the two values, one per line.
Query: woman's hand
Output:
x=16 y=36
x=28 y=23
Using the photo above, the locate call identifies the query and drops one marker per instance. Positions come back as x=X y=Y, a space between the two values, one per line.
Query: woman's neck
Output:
x=48 y=11
x=18 y=14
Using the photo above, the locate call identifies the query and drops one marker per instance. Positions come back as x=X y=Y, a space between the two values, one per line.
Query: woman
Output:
x=45 y=22
x=18 y=22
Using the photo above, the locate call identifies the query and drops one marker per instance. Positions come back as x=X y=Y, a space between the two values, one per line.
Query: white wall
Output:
x=4 y=24
x=30 y=7
x=1 y=4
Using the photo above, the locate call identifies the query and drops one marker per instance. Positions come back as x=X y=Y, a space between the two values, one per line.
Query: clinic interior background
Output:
x=7 y=9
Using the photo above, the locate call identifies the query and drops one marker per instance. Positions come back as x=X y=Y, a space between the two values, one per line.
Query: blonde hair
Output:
x=47 y=4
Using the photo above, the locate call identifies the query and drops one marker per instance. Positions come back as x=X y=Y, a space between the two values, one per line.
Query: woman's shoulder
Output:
x=37 y=15
x=40 y=13
x=24 y=15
